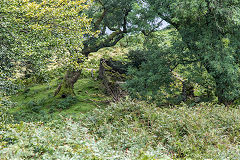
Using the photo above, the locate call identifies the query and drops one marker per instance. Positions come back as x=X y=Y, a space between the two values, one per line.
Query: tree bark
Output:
x=111 y=73
x=66 y=88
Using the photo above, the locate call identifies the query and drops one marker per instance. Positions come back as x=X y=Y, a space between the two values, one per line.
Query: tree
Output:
x=151 y=68
x=113 y=19
x=211 y=31
x=33 y=31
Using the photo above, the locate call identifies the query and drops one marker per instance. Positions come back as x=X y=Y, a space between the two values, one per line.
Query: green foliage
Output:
x=151 y=69
x=202 y=50
x=210 y=29
x=129 y=130
x=32 y=32
x=38 y=105
x=137 y=57
x=205 y=131
x=5 y=105
x=35 y=106
x=67 y=103
x=37 y=102
x=113 y=19
x=62 y=139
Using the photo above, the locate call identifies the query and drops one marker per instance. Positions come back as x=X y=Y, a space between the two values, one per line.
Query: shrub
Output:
x=5 y=105
x=203 y=131
x=62 y=139
x=129 y=130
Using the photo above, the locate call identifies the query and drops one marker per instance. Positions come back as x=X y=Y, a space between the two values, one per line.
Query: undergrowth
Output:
x=129 y=130
x=205 y=131
x=64 y=139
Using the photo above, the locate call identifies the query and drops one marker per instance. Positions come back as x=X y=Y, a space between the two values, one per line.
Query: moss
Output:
x=87 y=91
x=65 y=91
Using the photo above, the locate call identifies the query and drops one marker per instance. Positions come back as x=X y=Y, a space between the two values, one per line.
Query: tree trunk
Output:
x=112 y=75
x=187 y=90
x=66 y=88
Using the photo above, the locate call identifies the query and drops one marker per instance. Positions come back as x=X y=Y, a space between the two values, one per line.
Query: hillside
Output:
x=119 y=80
x=127 y=130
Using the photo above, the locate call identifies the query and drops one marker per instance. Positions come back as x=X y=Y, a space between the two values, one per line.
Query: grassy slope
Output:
x=199 y=132
x=39 y=99
x=129 y=130
x=89 y=93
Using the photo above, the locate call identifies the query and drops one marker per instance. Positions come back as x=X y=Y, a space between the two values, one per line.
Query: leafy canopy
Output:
x=210 y=29
x=33 y=31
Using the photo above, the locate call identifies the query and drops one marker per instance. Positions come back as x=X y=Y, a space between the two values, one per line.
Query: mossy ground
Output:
x=39 y=100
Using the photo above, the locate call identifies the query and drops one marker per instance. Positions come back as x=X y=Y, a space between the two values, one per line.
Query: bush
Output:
x=203 y=131
x=129 y=130
x=62 y=139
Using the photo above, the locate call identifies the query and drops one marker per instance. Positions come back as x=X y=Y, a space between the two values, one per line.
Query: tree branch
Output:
x=115 y=37
x=111 y=40
x=169 y=20
x=98 y=22
x=147 y=33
